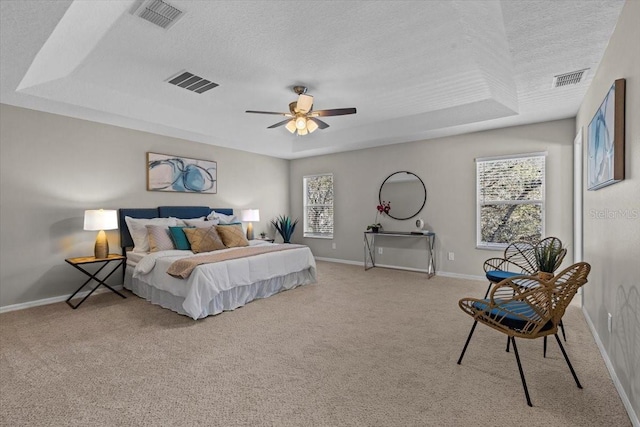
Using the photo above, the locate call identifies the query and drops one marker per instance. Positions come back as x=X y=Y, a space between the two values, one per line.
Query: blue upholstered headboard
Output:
x=184 y=212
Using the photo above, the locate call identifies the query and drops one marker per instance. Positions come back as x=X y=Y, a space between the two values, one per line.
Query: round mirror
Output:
x=406 y=192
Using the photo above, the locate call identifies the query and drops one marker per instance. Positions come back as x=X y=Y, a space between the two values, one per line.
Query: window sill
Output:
x=492 y=247
x=317 y=236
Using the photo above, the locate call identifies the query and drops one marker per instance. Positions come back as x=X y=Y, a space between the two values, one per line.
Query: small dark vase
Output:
x=375 y=229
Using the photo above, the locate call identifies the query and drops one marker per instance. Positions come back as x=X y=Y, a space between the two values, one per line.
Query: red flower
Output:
x=383 y=208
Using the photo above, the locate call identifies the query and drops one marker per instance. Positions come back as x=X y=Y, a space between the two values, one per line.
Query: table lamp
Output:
x=250 y=215
x=100 y=220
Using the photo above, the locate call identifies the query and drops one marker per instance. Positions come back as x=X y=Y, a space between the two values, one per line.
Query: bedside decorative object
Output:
x=250 y=215
x=285 y=227
x=100 y=220
x=419 y=224
x=79 y=261
x=263 y=235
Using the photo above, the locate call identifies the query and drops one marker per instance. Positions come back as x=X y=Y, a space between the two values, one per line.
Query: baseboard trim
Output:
x=339 y=261
x=612 y=373
x=461 y=276
x=397 y=267
x=53 y=300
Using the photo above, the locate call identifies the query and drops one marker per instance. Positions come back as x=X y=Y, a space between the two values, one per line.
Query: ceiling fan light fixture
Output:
x=301 y=123
x=311 y=126
x=291 y=126
x=302 y=131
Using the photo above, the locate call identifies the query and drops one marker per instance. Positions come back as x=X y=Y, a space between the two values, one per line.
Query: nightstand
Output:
x=266 y=239
x=78 y=262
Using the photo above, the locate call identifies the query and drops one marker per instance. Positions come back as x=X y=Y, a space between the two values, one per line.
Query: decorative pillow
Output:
x=159 y=238
x=200 y=223
x=204 y=239
x=138 y=229
x=180 y=240
x=232 y=235
x=222 y=218
x=180 y=221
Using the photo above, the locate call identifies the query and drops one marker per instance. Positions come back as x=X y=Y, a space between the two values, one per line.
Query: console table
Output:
x=370 y=239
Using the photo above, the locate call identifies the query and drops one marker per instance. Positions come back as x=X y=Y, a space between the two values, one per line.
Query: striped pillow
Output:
x=159 y=238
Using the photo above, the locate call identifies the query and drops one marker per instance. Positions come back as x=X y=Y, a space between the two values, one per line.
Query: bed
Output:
x=212 y=287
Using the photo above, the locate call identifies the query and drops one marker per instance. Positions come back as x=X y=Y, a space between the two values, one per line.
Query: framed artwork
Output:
x=605 y=140
x=181 y=174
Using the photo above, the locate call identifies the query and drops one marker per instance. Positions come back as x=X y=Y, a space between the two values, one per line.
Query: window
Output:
x=318 y=206
x=510 y=194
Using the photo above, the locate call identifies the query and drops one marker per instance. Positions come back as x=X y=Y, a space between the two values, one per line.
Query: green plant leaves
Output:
x=285 y=227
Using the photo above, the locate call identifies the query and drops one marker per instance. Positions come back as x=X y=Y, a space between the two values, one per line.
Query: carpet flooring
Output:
x=374 y=348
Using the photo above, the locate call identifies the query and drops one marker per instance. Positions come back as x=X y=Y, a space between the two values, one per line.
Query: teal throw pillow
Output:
x=179 y=238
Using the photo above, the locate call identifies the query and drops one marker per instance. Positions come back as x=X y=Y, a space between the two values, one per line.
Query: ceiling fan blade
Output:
x=334 y=112
x=270 y=112
x=284 y=122
x=305 y=102
x=320 y=123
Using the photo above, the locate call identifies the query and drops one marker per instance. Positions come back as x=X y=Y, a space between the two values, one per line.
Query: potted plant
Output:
x=285 y=227
x=547 y=258
x=382 y=208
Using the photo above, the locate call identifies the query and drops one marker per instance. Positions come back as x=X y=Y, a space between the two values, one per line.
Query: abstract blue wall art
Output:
x=180 y=174
x=605 y=149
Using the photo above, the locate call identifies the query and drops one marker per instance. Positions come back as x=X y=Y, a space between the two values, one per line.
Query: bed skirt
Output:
x=224 y=301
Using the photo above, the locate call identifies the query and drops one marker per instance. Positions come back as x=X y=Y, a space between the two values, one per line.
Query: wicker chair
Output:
x=520 y=259
x=527 y=307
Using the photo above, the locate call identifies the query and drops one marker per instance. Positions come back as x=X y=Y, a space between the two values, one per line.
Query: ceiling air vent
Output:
x=192 y=82
x=157 y=12
x=566 y=79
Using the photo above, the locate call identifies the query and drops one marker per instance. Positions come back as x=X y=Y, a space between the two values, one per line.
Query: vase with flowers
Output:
x=382 y=209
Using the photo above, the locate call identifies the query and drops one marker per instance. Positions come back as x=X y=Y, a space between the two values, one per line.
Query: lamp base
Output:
x=250 y=231
x=101 y=249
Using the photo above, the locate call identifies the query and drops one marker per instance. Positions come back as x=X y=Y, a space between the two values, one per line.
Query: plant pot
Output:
x=375 y=229
x=545 y=276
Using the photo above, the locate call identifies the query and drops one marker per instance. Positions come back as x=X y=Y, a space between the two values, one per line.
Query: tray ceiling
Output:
x=413 y=69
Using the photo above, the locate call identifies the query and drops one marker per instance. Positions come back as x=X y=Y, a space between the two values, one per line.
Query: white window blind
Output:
x=318 y=206
x=510 y=194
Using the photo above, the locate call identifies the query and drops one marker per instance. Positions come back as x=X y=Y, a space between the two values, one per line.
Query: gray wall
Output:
x=54 y=167
x=447 y=167
x=612 y=214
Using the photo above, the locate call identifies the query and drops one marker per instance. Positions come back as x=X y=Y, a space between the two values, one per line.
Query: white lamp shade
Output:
x=249 y=215
x=311 y=126
x=100 y=219
x=291 y=126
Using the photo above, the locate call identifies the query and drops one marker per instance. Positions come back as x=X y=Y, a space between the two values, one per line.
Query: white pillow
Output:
x=222 y=218
x=180 y=221
x=200 y=223
x=138 y=230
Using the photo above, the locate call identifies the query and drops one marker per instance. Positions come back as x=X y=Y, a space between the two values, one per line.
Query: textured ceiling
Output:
x=413 y=69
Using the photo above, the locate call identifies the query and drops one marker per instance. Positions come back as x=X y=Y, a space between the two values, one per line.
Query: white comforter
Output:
x=208 y=280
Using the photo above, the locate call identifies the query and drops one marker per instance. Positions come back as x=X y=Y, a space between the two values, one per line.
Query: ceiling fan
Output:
x=302 y=119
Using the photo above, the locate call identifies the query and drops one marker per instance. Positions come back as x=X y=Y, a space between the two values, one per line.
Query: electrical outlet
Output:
x=333 y=246
x=609 y=322
x=451 y=256
x=379 y=251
